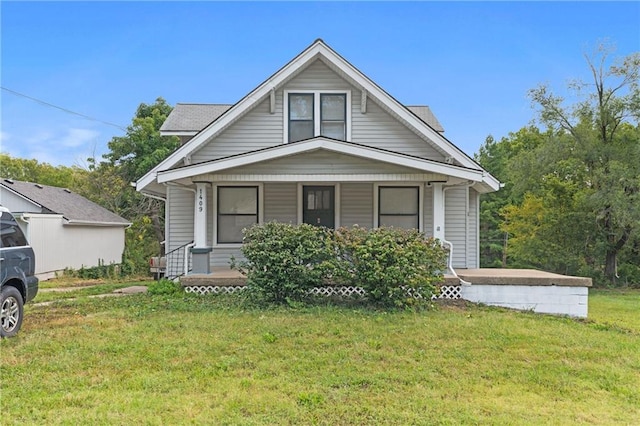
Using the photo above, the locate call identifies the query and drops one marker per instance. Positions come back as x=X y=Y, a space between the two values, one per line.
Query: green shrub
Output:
x=284 y=261
x=165 y=287
x=396 y=267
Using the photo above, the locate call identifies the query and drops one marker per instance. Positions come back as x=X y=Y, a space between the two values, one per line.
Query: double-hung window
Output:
x=333 y=116
x=237 y=209
x=317 y=114
x=399 y=206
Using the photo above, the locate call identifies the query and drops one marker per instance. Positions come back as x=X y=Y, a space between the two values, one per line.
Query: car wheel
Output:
x=11 y=314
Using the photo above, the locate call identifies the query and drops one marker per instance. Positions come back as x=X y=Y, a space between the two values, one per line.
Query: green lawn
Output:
x=211 y=360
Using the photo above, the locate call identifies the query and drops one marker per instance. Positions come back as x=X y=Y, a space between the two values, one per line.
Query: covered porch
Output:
x=322 y=182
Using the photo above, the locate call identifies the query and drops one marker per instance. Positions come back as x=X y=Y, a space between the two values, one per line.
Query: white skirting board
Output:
x=560 y=300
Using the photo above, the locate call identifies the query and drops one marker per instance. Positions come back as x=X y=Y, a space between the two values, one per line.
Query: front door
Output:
x=318 y=206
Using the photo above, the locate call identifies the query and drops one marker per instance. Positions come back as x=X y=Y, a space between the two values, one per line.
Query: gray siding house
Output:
x=65 y=229
x=317 y=142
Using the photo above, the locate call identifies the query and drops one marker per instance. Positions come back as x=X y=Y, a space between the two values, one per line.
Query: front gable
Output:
x=258 y=120
x=263 y=127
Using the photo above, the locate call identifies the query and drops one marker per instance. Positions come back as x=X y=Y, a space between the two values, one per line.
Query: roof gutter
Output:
x=94 y=223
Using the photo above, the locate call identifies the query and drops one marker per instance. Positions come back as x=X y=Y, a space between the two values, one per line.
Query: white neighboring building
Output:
x=65 y=229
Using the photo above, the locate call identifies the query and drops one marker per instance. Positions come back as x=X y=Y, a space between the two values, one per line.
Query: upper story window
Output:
x=317 y=113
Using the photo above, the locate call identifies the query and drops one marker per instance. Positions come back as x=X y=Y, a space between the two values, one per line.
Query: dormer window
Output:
x=315 y=113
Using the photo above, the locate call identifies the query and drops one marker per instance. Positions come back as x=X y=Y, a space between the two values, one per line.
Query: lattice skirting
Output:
x=446 y=292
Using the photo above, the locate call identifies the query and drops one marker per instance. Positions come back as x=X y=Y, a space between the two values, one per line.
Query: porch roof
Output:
x=486 y=182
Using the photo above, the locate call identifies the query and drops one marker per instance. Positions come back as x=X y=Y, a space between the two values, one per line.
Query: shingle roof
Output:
x=192 y=117
x=74 y=207
x=195 y=117
x=425 y=114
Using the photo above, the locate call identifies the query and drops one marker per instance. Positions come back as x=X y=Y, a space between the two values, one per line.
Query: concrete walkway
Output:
x=136 y=289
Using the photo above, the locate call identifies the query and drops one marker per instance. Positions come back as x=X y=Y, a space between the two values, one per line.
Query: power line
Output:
x=68 y=111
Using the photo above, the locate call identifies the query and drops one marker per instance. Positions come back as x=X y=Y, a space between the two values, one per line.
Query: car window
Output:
x=10 y=233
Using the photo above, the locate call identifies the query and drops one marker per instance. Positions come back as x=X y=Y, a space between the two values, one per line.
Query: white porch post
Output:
x=200 y=216
x=438 y=211
x=200 y=250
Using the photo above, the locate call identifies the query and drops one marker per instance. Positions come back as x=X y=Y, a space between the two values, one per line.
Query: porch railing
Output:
x=179 y=261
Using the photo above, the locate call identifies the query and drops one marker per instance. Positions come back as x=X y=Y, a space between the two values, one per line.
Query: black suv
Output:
x=17 y=269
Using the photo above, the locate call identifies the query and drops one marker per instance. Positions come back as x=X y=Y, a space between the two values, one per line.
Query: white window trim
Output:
x=376 y=205
x=336 y=201
x=214 y=204
x=316 y=110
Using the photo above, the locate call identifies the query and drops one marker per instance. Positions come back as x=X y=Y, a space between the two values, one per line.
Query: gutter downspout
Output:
x=466 y=185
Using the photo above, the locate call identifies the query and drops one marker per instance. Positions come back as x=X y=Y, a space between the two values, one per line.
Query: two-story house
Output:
x=317 y=142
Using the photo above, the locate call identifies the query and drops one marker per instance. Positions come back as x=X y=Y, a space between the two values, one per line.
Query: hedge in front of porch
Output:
x=395 y=267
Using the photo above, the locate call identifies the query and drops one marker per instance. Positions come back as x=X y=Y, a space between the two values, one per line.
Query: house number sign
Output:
x=200 y=202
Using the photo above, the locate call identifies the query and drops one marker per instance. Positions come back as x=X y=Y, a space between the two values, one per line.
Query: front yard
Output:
x=212 y=360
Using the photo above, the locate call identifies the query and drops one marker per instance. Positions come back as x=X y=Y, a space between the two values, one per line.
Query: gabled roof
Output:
x=189 y=119
x=75 y=208
x=317 y=50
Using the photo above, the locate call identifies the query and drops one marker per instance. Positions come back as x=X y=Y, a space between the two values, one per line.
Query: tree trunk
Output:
x=610 y=267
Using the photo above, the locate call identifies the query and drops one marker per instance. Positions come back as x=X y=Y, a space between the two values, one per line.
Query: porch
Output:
x=521 y=289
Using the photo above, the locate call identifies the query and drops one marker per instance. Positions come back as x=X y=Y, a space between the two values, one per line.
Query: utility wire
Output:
x=68 y=111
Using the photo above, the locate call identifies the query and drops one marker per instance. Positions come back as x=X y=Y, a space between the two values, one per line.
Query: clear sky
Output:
x=471 y=62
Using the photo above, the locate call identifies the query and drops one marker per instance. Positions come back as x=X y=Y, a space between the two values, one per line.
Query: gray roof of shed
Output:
x=195 y=117
x=74 y=207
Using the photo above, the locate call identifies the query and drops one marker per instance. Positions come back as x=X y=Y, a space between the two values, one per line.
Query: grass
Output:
x=213 y=360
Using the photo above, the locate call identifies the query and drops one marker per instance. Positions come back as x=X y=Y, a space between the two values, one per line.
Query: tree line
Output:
x=570 y=202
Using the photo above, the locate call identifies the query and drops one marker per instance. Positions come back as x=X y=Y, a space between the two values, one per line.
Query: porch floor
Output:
x=484 y=276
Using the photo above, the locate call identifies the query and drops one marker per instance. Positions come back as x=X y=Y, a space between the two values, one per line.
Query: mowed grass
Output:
x=212 y=360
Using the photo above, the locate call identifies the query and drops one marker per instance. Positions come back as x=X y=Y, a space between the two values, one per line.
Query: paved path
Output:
x=119 y=292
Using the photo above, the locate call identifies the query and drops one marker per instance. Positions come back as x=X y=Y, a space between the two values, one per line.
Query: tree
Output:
x=595 y=156
x=496 y=157
x=142 y=148
x=43 y=173
x=133 y=155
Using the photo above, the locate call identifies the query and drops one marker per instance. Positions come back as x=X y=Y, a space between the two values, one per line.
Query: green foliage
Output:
x=571 y=201
x=396 y=267
x=497 y=157
x=164 y=287
x=284 y=261
x=140 y=246
x=30 y=170
x=111 y=271
x=142 y=148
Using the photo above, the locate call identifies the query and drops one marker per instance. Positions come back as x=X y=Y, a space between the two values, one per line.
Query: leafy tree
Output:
x=496 y=157
x=133 y=155
x=30 y=170
x=142 y=148
x=587 y=172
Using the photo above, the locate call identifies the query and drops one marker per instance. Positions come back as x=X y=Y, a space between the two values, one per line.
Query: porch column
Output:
x=200 y=251
x=438 y=211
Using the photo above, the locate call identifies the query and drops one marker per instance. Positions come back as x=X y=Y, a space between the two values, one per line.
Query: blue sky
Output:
x=471 y=62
